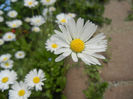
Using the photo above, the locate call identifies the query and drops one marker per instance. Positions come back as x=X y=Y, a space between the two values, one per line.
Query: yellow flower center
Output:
x=5 y=79
x=9 y=36
x=48 y=0
x=7 y=64
x=36 y=80
x=63 y=20
x=5 y=59
x=30 y=3
x=21 y=92
x=12 y=14
x=54 y=45
x=14 y=25
x=77 y=45
x=20 y=54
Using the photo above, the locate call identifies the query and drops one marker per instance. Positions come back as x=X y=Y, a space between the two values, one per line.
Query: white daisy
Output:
x=52 y=44
x=7 y=65
x=30 y=3
x=1 y=19
x=14 y=0
x=35 y=29
x=5 y=57
x=19 y=91
x=77 y=41
x=20 y=54
x=51 y=9
x=37 y=20
x=14 y=24
x=9 y=36
x=27 y=19
x=62 y=18
x=35 y=79
x=71 y=15
x=12 y=14
x=48 y=2
x=1 y=12
x=1 y=42
x=6 y=78
x=45 y=12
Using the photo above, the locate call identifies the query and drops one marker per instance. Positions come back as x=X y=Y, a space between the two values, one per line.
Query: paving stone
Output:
x=120 y=92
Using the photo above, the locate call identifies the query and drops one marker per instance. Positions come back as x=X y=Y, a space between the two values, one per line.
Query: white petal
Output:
x=59 y=58
x=74 y=57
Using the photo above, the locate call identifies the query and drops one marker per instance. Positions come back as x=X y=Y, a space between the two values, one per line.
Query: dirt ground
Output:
x=119 y=71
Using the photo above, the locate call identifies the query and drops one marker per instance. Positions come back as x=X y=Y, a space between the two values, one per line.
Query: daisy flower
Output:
x=37 y=20
x=1 y=42
x=12 y=14
x=48 y=2
x=35 y=29
x=14 y=0
x=77 y=41
x=1 y=12
x=35 y=79
x=9 y=36
x=5 y=57
x=62 y=18
x=52 y=44
x=6 y=78
x=71 y=15
x=27 y=19
x=30 y=3
x=14 y=24
x=19 y=91
x=51 y=9
x=1 y=19
x=7 y=65
x=45 y=12
x=20 y=54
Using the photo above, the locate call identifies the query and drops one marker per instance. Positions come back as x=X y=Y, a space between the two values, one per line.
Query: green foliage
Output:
x=130 y=15
x=87 y=9
x=96 y=87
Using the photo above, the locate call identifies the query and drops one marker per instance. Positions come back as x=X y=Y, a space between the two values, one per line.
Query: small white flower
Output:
x=77 y=41
x=14 y=24
x=1 y=42
x=45 y=12
x=12 y=14
x=7 y=65
x=51 y=9
x=27 y=19
x=52 y=44
x=71 y=15
x=9 y=36
x=35 y=29
x=35 y=79
x=30 y=3
x=48 y=2
x=7 y=78
x=37 y=20
x=1 y=19
x=14 y=0
x=5 y=57
x=20 y=54
x=19 y=91
x=62 y=18
x=1 y=12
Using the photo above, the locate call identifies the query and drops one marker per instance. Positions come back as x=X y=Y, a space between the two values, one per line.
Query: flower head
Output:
x=7 y=65
x=19 y=91
x=1 y=42
x=48 y=2
x=1 y=12
x=14 y=24
x=20 y=54
x=52 y=44
x=62 y=18
x=5 y=57
x=35 y=79
x=12 y=14
x=78 y=42
x=1 y=19
x=9 y=36
x=6 y=78
x=30 y=3
x=37 y=20
x=35 y=29
x=14 y=0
